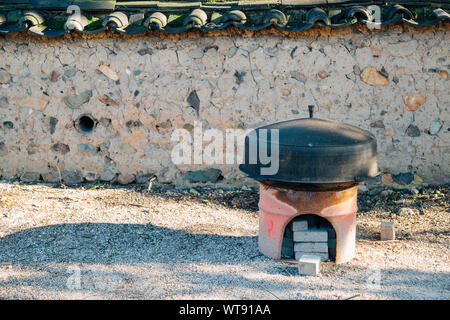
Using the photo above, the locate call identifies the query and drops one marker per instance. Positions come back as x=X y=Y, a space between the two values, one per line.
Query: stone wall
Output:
x=392 y=82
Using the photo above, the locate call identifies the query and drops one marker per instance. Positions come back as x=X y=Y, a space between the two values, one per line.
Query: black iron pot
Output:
x=314 y=154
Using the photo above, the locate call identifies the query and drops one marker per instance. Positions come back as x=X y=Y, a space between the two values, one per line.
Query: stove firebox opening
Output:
x=309 y=234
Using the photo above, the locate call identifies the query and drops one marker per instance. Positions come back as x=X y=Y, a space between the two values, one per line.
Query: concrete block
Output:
x=300 y=225
x=387 y=231
x=312 y=235
x=309 y=265
x=311 y=247
x=322 y=255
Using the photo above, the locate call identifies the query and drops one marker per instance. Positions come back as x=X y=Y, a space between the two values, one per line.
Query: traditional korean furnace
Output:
x=309 y=206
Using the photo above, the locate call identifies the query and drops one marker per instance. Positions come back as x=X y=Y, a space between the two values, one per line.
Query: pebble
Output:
x=194 y=191
x=413 y=131
x=405 y=212
x=435 y=127
x=125 y=178
x=74 y=102
x=372 y=77
x=5 y=77
x=108 y=72
x=414 y=101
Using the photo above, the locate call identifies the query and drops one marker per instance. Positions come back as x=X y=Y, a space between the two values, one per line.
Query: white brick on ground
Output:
x=387 y=231
x=309 y=265
x=311 y=247
x=312 y=235
x=323 y=256
x=300 y=225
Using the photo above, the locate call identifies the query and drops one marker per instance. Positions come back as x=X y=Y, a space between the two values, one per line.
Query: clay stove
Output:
x=321 y=163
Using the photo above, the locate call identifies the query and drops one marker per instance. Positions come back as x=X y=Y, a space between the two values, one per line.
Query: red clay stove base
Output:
x=277 y=207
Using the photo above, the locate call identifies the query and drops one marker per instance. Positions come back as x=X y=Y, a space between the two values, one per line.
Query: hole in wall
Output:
x=86 y=123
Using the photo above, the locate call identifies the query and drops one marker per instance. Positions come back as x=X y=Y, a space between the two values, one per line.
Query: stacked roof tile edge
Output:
x=56 y=18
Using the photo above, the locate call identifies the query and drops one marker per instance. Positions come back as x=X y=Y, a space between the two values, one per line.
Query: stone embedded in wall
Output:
x=435 y=127
x=71 y=176
x=87 y=149
x=3 y=149
x=377 y=124
x=297 y=75
x=208 y=175
x=414 y=101
x=108 y=175
x=443 y=74
x=33 y=102
x=30 y=176
x=145 y=51
x=125 y=178
x=61 y=148
x=53 y=122
x=126 y=148
x=239 y=77
x=108 y=101
x=386 y=179
x=4 y=103
x=69 y=73
x=196 y=53
x=194 y=101
x=389 y=132
x=413 y=131
x=104 y=147
x=51 y=176
x=372 y=77
x=322 y=74
x=75 y=101
x=5 y=77
x=402 y=49
x=108 y=72
x=90 y=176
x=403 y=177
x=33 y=148
x=54 y=76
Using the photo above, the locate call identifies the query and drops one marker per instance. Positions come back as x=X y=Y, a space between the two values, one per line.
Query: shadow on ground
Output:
x=163 y=260
x=108 y=243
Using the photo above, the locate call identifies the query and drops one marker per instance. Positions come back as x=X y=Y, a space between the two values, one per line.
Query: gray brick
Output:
x=323 y=256
x=311 y=247
x=312 y=235
x=300 y=225
x=309 y=265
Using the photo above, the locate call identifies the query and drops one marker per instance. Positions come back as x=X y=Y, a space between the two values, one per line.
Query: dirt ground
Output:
x=111 y=242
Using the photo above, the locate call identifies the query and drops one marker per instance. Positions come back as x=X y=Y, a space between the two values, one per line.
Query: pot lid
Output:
x=310 y=151
x=317 y=133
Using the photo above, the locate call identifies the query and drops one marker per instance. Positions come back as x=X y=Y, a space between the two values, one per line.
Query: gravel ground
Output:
x=110 y=242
